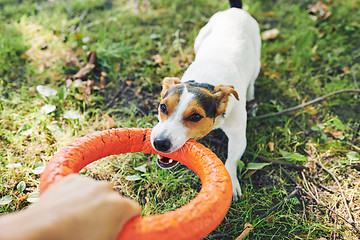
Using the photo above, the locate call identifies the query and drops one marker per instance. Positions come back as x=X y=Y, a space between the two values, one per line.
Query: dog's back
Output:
x=229 y=41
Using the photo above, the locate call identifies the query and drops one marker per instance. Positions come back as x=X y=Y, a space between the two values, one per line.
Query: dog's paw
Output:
x=236 y=190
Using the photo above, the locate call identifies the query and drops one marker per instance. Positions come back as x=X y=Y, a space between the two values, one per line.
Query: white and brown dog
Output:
x=214 y=89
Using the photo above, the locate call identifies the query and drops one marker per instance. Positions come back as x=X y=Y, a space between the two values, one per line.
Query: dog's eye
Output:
x=195 y=117
x=163 y=108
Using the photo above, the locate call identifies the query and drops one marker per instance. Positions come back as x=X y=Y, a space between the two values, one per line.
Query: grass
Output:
x=41 y=45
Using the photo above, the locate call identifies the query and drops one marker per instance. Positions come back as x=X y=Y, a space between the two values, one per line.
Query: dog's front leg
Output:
x=236 y=148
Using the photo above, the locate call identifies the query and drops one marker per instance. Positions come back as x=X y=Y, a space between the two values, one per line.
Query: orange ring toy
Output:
x=194 y=220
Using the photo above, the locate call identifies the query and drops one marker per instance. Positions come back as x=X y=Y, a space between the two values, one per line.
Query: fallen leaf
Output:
x=269 y=14
x=304 y=236
x=89 y=84
x=314 y=18
x=317 y=57
x=319 y=9
x=157 y=59
x=129 y=83
x=102 y=80
x=274 y=75
x=110 y=123
x=247 y=228
x=271 y=146
x=336 y=134
x=313 y=50
x=311 y=110
x=46 y=91
x=20 y=200
x=71 y=114
x=321 y=35
x=78 y=35
x=83 y=72
x=48 y=108
x=270 y=34
x=91 y=57
x=269 y=219
x=246 y=176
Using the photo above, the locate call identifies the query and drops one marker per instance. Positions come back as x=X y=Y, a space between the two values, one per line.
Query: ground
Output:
x=68 y=68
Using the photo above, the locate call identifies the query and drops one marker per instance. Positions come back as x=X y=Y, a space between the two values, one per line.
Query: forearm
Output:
x=21 y=226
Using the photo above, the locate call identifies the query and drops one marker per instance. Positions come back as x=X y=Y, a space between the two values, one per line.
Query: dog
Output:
x=213 y=91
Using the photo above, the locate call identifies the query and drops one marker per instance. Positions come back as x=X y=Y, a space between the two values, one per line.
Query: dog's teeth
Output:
x=170 y=161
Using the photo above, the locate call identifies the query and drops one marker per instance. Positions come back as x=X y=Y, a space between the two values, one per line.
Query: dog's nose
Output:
x=162 y=144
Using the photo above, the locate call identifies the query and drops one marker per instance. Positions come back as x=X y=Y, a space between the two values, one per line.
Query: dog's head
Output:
x=187 y=110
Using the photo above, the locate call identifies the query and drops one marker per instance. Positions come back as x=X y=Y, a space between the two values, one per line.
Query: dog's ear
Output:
x=167 y=83
x=222 y=93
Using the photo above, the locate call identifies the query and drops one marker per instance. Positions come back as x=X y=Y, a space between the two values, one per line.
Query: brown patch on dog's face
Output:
x=168 y=104
x=196 y=122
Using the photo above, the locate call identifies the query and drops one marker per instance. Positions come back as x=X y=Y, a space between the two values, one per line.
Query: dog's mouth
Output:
x=165 y=162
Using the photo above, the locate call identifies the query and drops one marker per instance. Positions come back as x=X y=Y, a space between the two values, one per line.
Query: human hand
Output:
x=76 y=208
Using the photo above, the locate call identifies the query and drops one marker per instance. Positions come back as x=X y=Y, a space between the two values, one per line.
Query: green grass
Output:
x=308 y=59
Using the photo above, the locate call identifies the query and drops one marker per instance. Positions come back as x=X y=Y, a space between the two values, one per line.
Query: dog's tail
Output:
x=235 y=3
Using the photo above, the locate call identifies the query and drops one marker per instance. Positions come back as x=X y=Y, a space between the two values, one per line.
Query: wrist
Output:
x=27 y=224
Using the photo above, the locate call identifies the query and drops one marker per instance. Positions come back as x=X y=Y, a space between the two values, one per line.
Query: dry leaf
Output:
x=304 y=236
x=247 y=228
x=269 y=14
x=157 y=59
x=313 y=50
x=110 y=123
x=274 y=75
x=321 y=35
x=269 y=219
x=270 y=34
x=317 y=57
x=311 y=110
x=82 y=73
x=102 y=80
x=271 y=146
x=129 y=83
x=91 y=57
x=336 y=134
x=246 y=176
x=320 y=9
x=78 y=35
